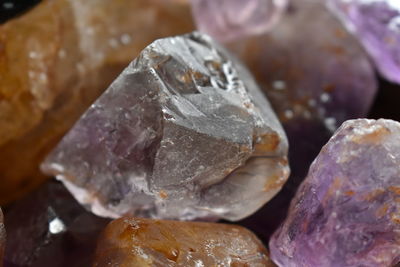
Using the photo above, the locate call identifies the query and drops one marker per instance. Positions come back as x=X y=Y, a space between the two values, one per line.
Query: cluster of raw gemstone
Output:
x=186 y=133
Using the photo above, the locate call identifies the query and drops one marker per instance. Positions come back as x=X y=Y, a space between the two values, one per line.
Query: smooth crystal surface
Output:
x=55 y=60
x=132 y=241
x=347 y=211
x=376 y=23
x=234 y=19
x=50 y=228
x=184 y=132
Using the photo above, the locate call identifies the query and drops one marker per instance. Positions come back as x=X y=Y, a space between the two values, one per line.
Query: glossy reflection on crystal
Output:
x=347 y=211
x=55 y=60
x=49 y=228
x=234 y=19
x=145 y=242
x=376 y=23
x=184 y=132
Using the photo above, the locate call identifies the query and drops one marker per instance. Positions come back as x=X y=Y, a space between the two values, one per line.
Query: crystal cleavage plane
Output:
x=183 y=133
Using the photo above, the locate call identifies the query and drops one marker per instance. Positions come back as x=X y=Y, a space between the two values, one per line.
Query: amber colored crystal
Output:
x=132 y=241
x=55 y=60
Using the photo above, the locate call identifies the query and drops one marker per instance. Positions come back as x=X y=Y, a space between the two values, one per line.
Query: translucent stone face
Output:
x=233 y=19
x=49 y=228
x=184 y=132
x=377 y=24
x=346 y=212
x=144 y=242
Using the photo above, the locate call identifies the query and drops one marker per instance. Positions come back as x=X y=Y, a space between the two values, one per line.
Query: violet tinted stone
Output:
x=233 y=19
x=184 y=132
x=347 y=211
x=49 y=228
x=377 y=24
x=316 y=75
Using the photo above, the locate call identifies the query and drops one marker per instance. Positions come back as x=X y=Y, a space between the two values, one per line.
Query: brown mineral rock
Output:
x=145 y=242
x=55 y=60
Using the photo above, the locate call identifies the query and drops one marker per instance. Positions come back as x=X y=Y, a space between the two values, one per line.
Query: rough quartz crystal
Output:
x=184 y=132
x=347 y=211
x=233 y=19
x=145 y=242
x=377 y=24
x=49 y=228
x=58 y=58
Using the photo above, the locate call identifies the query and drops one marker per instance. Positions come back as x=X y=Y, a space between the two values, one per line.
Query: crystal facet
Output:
x=234 y=19
x=377 y=24
x=58 y=58
x=49 y=228
x=316 y=75
x=146 y=242
x=184 y=132
x=347 y=211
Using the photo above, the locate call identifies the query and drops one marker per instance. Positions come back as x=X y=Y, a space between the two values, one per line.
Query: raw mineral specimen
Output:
x=233 y=19
x=184 y=132
x=347 y=211
x=316 y=75
x=58 y=58
x=146 y=242
x=377 y=24
x=49 y=228
x=2 y=237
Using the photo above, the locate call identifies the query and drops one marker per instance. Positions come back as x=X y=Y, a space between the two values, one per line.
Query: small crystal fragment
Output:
x=377 y=24
x=49 y=228
x=145 y=242
x=234 y=19
x=347 y=211
x=184 y=132
x=2 y=237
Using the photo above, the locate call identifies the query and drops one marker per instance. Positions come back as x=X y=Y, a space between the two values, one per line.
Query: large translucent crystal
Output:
x=156 y=243
x=377 y=24
x=184 y=132
x=347 y=211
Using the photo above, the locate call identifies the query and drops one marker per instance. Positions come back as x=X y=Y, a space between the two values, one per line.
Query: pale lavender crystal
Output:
x=377 y=24
x=184 y=132
x=347 y=211
x=233 y=19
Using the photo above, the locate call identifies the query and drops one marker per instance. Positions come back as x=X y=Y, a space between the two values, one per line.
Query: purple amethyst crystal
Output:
x=184 y=132
x=50 y=228
x=377 y=24
x=347 y=211
x=233 y=19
